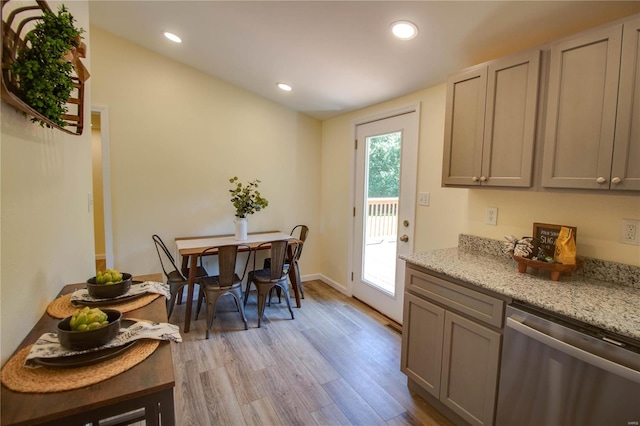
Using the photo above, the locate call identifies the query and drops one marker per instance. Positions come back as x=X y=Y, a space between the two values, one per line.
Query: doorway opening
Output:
x=385 y=175
x=102 y=224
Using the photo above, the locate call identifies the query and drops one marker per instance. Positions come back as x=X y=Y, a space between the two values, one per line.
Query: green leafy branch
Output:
x=246 y=198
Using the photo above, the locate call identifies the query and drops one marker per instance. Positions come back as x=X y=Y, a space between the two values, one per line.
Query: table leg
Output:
x=293 y=277
x=193 y=267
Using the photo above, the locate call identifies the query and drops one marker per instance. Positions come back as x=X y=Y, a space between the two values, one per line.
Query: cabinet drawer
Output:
x=475 y=304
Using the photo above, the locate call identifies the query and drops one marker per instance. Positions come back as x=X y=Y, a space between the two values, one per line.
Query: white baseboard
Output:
x=342 y=289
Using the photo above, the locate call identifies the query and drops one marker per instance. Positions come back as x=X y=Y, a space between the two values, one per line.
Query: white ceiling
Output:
x=339 y=55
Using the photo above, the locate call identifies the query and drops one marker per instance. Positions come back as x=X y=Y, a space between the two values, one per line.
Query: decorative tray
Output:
x=557 y=269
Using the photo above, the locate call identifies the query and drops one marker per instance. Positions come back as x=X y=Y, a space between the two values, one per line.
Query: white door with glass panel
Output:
x=385 y=193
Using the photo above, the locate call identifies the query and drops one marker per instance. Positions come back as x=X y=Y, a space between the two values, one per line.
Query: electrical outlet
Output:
x=630 y=231
x=491 y=216
x=423 y=198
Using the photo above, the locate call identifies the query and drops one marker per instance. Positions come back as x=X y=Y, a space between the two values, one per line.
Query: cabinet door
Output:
x=421 y=358
x=510 y=122
x=464 y=127
x=470 y=364
x=581 y=110
x=625 y=170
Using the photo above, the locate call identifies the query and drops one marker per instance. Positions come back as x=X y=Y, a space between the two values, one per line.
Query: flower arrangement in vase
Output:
x=246 y=199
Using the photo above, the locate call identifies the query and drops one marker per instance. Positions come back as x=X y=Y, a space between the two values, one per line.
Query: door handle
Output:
x=404 y=238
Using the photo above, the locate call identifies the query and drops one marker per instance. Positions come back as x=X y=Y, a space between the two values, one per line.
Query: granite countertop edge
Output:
x=610 y=306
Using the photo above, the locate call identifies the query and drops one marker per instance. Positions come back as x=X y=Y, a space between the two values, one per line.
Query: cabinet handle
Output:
x=616 y=180
x=475 y=178
x=601 y=180
x=404 y=238
x=483 y=179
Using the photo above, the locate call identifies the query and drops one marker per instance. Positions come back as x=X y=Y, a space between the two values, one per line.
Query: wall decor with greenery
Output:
x=42 y=74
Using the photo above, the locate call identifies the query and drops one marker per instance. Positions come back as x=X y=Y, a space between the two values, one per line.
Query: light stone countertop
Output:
x=610 y=306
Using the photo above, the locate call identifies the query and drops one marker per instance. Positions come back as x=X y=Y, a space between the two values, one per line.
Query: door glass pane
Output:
x=382 y=182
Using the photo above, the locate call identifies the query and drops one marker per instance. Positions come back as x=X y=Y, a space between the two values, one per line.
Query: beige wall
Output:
x=178 y=135
x=596 y=216
x=47 y=229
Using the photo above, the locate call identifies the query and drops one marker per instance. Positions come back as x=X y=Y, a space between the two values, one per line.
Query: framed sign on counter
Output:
x=546 y=234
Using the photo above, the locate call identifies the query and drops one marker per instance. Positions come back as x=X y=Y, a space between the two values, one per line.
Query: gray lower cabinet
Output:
x=451 y=344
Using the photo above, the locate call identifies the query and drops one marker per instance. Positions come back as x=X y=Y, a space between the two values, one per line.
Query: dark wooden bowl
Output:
x=79 y=340
x=103 y=291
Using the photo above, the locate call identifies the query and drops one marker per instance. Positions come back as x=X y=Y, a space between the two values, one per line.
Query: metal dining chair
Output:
x=301 y=232
x=175 y=277
x=227 y=282
x=275 y=276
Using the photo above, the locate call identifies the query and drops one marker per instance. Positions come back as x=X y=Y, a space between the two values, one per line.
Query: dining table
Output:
x=143 y=392
x=190 y=249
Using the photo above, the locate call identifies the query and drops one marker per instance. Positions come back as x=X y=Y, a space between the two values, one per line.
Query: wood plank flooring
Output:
x=336 y=363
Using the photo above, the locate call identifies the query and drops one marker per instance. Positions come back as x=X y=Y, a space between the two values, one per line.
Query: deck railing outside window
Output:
x=382 y=217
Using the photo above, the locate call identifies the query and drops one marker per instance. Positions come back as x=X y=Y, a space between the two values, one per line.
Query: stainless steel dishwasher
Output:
x=556 y=371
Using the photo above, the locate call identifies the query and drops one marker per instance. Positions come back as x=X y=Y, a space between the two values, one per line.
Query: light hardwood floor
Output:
x=336 y=363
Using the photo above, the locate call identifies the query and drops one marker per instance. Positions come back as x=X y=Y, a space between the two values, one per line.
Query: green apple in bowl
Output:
x=109 y=284
x=74 y=332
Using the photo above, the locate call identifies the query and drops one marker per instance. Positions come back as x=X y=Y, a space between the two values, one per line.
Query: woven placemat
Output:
x=18 y=378
x=62 y=307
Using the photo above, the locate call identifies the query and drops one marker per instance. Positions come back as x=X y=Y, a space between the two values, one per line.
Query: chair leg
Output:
x=212 y=303
x=237 y=296
x=246 y=293
x=285 y=289
x=200 y=298
x=170 y=303
x=263 y=293
x=175 y=293
x=278 y=291
x=295 y=265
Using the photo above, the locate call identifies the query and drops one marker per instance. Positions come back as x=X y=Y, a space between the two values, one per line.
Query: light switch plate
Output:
x=423 y=198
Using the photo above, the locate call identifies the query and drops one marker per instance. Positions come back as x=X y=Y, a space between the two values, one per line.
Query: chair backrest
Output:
x=304 y=231
x=168 y=258
x=227 y=257
x=278 y=257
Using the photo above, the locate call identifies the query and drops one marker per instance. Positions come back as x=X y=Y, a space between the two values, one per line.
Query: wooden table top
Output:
x=151 y=375
x=190 y=246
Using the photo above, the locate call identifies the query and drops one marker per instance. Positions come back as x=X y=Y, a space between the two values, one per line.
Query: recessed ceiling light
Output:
x=285 y=87
x=404 y=30
x=174 y=38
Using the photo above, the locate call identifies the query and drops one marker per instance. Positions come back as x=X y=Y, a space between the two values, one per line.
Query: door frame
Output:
x=354 y=128
x=106 y=182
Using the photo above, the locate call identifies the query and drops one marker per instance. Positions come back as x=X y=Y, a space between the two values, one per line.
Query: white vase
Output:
x=241 y=228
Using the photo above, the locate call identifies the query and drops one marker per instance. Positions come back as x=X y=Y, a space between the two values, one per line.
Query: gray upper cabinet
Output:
x=592 y=137
x=490 y=123
x=625 y=169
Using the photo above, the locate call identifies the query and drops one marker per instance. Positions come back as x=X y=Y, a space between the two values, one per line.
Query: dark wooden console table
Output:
x=145 y=392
